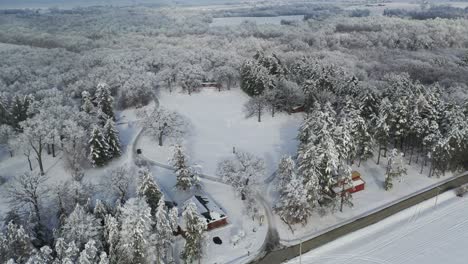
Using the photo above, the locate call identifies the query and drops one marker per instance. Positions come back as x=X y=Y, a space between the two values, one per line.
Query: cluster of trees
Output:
x=433 y=12
x=104 y=141
x=49 y=121
x=135 y=230
x=403 y=120
x=264 y=79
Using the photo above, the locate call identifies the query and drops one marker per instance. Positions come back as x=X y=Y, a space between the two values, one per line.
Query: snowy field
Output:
x=427 y=233
x=218 y=124
x=373 y=198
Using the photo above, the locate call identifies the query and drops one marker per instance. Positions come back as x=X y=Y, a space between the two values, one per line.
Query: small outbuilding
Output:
x=358 y=184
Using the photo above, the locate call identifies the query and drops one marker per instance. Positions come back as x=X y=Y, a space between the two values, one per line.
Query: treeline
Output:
x=433 y=12
x=308 y=10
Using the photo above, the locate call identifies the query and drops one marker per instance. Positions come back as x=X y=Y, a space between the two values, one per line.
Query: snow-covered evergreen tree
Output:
x=135 y=231
x=42 y=256
x=100 y=211
x=15 y=244
x=186 y=176
x=293 y=206
x=149 y=189
x=194 y=234
x=286 y=171
x=396 y=168
x=104 y=100
x=80 y=227
x=87 y=104
x=174 y=219
x=381 y=124
x=103 y=259
x=111 y=136
x=162 y=237
x=66 y=252
x=112 y=237
x=89 y=255
x=98 y=148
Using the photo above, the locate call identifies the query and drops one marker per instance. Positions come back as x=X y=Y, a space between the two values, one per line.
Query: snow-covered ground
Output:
x=373 y=198
x=427 y=233
x=218 y=124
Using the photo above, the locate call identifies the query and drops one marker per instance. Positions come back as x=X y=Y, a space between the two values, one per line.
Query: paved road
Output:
x=280 y=255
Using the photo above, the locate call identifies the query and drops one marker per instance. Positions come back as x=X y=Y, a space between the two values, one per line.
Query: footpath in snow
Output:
x=432 y=232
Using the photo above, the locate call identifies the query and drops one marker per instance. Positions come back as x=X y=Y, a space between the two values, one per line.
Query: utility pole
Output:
x=437 y=196
x=300 y=252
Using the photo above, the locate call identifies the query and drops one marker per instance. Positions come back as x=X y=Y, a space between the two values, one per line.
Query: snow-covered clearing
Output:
x=373 y=198
x=218 y=124
x=427 y=233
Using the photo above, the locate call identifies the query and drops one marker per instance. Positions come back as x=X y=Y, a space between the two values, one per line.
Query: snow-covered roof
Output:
x=208 y=208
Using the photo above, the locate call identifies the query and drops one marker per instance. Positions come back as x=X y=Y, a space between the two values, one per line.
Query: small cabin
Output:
x=297 y=109
x=211 y=85
x=358 y=184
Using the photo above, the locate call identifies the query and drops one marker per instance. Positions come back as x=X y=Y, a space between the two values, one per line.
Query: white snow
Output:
x=427 y=233
x=218 y=124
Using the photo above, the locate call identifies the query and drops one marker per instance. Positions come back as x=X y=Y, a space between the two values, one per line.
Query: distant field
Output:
x=378 y=9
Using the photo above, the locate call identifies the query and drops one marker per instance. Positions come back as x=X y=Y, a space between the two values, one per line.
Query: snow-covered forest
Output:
x=389 y=89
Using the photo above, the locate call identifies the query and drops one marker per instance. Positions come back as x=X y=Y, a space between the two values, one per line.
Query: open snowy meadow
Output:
x=217 y=124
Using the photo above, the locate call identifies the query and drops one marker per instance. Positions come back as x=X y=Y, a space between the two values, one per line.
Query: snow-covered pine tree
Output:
x=15 y=244
x=112 y=237
x=42 y=256
x=98 y=148
x=87 y=104
x=174 y=219
x=162 y=237
x=286 y=171
x=103 y=259
x=80 y=227
x=345 y=180
x=66 y=253
x=149 y=189
x=395 y=168
x=111 y=136
x=293 y=206
x=194 y=233
x=104 y=100
x=89 y=255
x=100 y=211
x=381 y=124
x=186 y=177
x=135 y=232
